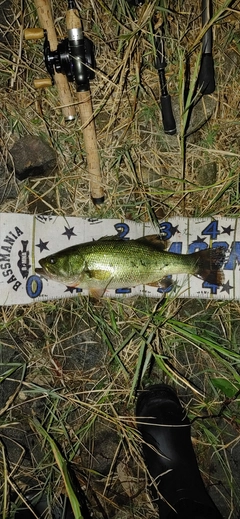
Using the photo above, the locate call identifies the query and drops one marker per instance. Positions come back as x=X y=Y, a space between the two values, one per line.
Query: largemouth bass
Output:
x=116 y=263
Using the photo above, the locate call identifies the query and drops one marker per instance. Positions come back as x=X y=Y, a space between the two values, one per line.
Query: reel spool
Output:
x=75 y=59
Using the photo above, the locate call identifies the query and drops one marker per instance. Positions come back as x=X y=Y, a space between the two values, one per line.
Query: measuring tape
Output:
x=26 y=238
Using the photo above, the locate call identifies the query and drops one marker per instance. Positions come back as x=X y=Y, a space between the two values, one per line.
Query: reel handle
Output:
x=35 y=33
x=42 y=83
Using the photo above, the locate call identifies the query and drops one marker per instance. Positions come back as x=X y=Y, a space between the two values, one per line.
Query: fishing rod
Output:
x=168 y=120
x=82 y=64
x=73 y=58
x=169 y=124
x=206 y=78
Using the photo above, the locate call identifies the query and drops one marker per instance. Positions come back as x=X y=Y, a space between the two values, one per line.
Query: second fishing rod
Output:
x=206 y=77
x=80 y=64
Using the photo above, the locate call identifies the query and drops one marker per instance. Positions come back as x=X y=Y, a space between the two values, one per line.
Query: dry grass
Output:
x=87 y=404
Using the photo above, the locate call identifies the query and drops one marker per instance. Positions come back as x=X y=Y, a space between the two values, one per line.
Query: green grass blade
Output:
x=62 y=465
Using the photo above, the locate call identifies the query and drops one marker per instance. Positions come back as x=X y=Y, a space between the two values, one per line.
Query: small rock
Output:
x=32 y=156
x=207 y=174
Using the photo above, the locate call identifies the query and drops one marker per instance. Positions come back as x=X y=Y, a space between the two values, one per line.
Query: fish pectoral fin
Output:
x=155 y=241
x=98 y=274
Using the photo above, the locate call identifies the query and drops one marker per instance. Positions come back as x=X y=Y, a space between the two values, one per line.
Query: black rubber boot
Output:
x=176 y=484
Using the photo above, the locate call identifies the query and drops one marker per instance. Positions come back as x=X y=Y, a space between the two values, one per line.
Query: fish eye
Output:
x=52 y=260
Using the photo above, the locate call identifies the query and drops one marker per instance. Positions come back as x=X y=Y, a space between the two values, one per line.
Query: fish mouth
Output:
x=41 y=272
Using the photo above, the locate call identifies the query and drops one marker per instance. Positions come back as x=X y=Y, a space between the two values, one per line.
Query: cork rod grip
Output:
x=73 y=20
x=90 y=143
x=46 y=21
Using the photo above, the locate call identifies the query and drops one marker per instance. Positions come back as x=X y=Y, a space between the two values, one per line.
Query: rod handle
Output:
x=35 y=33
x=44 y=12
x=73 y=20
x=90 y=143
x=169 y=124
x=206 y=77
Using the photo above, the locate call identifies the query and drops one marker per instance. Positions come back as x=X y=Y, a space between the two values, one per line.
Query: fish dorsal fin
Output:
x=154 y=240
x=151 y=239
x=109 y=238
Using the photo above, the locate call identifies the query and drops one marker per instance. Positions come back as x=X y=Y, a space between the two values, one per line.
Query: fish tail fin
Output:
x=209 y=263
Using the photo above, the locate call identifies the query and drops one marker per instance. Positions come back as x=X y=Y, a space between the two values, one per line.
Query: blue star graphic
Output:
x=71 y=289
x=42 y=245
x=227 y=230
x=199 y=240
x=226 y=287
x=69 y=232
x=174 y=230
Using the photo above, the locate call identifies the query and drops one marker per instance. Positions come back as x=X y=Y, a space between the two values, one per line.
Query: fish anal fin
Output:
x=164 y=282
